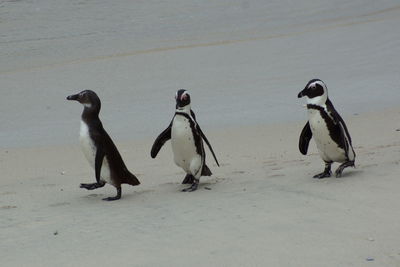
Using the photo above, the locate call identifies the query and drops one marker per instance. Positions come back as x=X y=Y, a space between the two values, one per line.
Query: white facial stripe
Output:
x=88 y=105
x=317 y=82
x=183 y=95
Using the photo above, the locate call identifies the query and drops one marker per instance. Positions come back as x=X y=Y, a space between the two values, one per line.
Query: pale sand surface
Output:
x=260 y=208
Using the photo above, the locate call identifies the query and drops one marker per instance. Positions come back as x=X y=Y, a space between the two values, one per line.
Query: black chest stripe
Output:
x=333 y=127
x=196 y=135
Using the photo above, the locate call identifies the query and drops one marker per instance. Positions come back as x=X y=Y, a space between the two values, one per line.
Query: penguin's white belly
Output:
x=183 y=146
x=89 y=150
x=328 y=149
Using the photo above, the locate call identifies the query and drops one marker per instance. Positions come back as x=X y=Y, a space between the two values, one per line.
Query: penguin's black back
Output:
x=118 y=171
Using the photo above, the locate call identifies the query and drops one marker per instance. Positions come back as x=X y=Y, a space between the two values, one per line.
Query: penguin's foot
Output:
x=189 y=179
x=326 y=173
x=323 y=175
x=340 y=169
x=118 y=196
x=92 y=186
x=193 y=187
x=111 y=198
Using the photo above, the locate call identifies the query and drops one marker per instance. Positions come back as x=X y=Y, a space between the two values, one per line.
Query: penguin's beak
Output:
x=73 y=97
x=302 y=93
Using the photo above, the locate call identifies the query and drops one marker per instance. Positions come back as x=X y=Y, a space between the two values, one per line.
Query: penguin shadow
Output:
x=351 y=173
x=208 y=184
x=367 y=166
x=136 y=194
x=204 y=185
x=94 y=196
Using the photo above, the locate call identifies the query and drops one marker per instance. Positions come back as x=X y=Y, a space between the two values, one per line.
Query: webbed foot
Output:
x=118 y=196
x=323 y=175
x=340 y=169
x=326 y=173
x=193 y=187
x=92 y=186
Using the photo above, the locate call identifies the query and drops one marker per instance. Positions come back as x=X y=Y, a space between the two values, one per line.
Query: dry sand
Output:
x=260 y=208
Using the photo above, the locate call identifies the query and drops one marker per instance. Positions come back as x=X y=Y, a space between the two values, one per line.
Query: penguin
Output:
x=328 y=129
x=99 y=149
x=186 y=141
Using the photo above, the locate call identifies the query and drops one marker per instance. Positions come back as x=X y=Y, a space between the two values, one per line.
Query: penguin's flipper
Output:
x=98 y=162
x=160 y=141
x=203 y=136
x=305 y=138
x=344 y=132
x=338 y=119
x=208 y=144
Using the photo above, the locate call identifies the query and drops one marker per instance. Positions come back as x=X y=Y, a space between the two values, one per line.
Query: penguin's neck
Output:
x=90 y=113
x=185 y=109
x=318 y=101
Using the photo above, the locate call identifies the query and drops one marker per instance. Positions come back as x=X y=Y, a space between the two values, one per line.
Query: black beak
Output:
x=300 y=95
x=73 y=97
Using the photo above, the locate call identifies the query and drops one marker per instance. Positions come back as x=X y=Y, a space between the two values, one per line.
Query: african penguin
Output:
x=328 y=129
x=99 y=149
x=187 y=142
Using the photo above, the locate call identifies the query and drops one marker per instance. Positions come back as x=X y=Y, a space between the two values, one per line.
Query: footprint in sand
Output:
x=369 y=165
x=93 y=195
x=275 y=175
x=270 y=163
x=49 y=185
x=238 y=172
x=59 y=204
x=7 y=207
x=214 y=181
x=8 y=193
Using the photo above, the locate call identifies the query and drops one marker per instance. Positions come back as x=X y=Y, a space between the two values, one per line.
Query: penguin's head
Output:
x=88 y=98
x=182 y=98
x=315 y=91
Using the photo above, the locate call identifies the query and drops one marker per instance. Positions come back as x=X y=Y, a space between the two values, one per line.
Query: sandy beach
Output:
x=261 y=208
x=243 y=63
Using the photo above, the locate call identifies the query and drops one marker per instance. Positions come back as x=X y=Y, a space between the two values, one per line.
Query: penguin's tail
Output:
x=131 y=179
x=206 y=171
